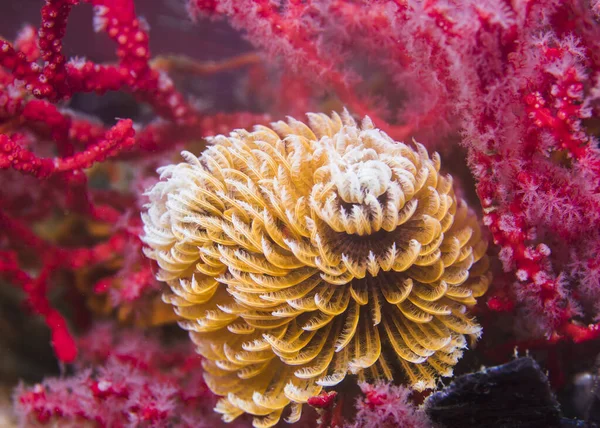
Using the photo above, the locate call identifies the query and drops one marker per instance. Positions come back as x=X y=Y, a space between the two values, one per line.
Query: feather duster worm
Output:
x=298 y=254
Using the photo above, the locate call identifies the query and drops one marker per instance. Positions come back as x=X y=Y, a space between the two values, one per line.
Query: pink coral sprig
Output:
x=385 y=405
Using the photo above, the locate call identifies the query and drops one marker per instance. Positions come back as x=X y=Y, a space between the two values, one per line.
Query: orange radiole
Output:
x=300 y=253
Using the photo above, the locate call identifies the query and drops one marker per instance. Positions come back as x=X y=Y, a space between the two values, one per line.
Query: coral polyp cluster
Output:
x=298 y=254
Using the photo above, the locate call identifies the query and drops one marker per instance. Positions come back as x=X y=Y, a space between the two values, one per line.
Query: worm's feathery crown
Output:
x=297 y=254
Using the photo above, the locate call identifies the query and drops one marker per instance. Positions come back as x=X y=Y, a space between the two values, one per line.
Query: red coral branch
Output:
x=54 y=257
x=36 y=292
x=117 y=139
x=61 y=149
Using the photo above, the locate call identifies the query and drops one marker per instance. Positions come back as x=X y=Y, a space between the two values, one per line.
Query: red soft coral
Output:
x=124 y=378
